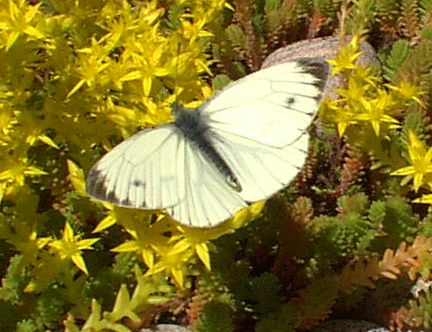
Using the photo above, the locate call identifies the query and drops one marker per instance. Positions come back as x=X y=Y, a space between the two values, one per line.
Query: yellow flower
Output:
x=420 y=161
x=93 y=61
x=20 y=19
x=408 y=92
x=174 y=263
x=147 y=238
x=374 y=111
x=17 y=170
x=346 y=57
x=425 y=199
x=70 y=247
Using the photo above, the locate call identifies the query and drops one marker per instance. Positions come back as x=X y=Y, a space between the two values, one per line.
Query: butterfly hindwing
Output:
x=208 y=198
x=261 y=169
x=160 y=169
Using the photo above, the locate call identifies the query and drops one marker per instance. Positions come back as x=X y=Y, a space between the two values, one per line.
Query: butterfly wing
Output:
x=132 y=173
x=261 y=169
x=263 y=136
x=273 y=106
x=160 y=169
x=208 y=199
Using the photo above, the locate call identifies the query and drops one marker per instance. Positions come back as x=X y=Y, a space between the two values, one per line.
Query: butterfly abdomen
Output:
x=190 y=123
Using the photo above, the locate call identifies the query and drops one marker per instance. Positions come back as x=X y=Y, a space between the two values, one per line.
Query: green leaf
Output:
x=216 y=317
x=398 y=54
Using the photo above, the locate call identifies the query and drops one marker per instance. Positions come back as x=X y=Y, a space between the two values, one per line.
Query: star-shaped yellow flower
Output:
x=69 y=246
x=421 y=164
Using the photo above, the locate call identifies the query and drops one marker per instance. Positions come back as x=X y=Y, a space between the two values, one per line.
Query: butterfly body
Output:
x=242 y=145
x=193 y=126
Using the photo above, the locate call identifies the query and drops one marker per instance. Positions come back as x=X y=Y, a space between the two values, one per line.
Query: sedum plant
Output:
x=77 y=77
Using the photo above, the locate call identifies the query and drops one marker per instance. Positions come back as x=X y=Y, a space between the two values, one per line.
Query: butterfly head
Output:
x=187 y=118
x=176 y=109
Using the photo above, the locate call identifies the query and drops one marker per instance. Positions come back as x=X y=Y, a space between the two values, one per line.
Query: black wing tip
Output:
x=95 y=183
x=318 y=67
x=95 y=186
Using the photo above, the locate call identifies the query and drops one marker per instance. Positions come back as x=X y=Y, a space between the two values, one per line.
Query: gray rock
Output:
x=166 y=328
x=327 y=48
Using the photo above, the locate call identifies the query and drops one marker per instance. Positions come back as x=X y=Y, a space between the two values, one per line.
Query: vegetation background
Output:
x=77 y=77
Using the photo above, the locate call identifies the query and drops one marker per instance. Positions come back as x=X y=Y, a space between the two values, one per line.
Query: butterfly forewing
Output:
x=140 y=172
x=271 y=106
x=265 y=141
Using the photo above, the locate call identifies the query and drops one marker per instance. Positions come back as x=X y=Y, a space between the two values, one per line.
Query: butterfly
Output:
x=242 y=145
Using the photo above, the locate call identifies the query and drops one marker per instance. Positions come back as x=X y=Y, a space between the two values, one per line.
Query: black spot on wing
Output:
x=290 y=100
x=138 y=183
x=126 y=202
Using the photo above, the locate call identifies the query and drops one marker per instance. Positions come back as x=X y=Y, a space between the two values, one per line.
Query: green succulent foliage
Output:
x=363 y=228
x=236 y=36
x=315 y=300
x=26 y=326
x=398 y=54
x=361 y=15
x=75 y=80
x=265 y=293
x=426 y=224
x=399 y=219
x=347 y=235
x=421 y=309
x=215 y=317
x=14 y=281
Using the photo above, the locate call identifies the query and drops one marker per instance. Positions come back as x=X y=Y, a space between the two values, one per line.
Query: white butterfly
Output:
x=242 y=145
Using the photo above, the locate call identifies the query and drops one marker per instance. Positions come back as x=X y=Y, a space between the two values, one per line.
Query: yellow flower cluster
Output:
x=366 y=107
x=76 y=77
x=365 y=104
